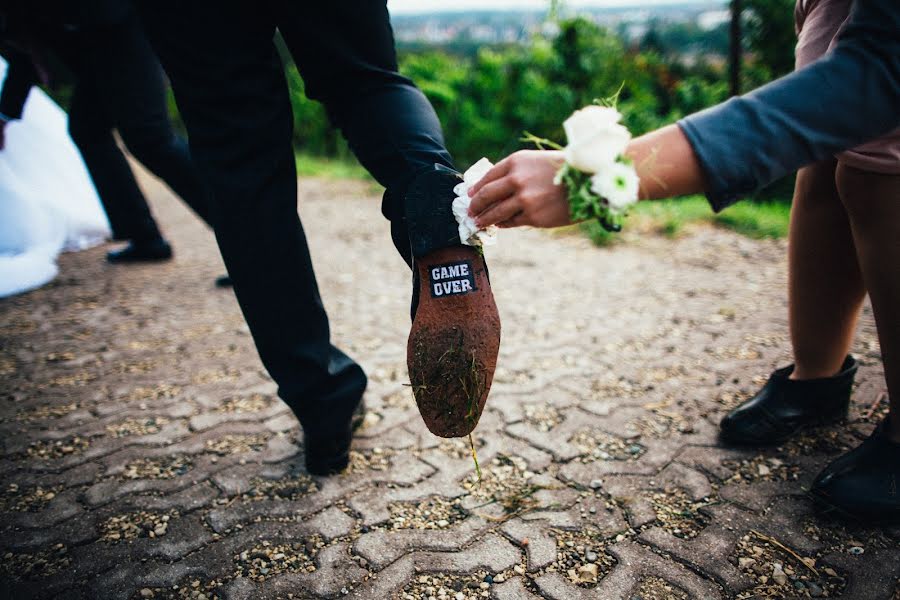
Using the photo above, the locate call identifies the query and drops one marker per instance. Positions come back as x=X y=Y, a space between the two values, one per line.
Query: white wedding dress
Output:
x=47 y=201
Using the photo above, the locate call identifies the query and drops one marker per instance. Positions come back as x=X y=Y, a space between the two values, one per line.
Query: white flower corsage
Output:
x=601 y=182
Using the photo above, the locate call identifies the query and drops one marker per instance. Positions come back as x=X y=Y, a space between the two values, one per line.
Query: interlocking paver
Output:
x=133 y=403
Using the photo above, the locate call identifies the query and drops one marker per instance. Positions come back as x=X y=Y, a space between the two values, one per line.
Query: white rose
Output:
x=595 y=138
x=589 y=118
x=618 y=183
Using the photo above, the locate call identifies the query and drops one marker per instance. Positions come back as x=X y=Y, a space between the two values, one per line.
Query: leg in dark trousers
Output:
x=120 y=86
x=230 y=88
x=91 y=129
x=345 y=54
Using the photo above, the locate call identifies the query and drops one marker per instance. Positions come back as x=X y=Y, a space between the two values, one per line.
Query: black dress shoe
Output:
x=329 y=454
x=863 y=484
x=151 y=251
x=223 y=281
x=785 y=407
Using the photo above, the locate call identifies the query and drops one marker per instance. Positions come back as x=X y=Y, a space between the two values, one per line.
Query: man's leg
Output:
x=863 y=482
x=123 y=201
x=230 y=88
x=873 y=203
x=345 y=53
x=132 y=91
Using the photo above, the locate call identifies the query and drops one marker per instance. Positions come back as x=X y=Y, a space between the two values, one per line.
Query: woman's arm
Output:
x=849 y=96
x=519 y=190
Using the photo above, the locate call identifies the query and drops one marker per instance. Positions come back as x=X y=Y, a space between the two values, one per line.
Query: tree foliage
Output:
x=488 y=98
x=769 y=34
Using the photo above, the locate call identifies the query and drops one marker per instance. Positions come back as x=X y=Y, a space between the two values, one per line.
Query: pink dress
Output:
x=818 y=24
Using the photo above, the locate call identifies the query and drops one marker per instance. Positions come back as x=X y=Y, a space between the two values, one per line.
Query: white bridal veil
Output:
x=47 y=201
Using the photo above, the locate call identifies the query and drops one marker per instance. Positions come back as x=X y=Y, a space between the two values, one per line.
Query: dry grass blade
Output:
x=775 y=542
x=878 y=400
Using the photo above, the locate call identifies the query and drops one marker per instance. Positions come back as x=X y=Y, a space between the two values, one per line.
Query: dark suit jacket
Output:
x=40 y=21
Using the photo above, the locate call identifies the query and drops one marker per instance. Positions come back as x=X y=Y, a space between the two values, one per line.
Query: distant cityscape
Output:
x=512 y=27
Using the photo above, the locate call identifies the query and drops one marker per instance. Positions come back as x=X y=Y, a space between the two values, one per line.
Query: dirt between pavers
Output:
x=111 y=377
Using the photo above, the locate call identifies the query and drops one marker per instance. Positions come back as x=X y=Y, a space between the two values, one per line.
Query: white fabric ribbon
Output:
x=469 y=232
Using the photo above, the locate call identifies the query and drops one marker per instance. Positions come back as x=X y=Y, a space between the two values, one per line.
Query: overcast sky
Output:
x=420 y=6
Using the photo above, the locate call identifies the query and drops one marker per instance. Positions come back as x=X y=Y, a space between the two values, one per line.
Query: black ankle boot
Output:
x=784 y=407
x=145 y=251
x=863 y=484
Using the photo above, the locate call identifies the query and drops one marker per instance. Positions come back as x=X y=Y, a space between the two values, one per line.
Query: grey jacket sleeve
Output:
x=849 y=96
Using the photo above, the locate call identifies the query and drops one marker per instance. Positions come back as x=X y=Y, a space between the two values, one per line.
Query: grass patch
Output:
x=665 y=217
x=309 y=165
x=768 y=220
x=669 y=217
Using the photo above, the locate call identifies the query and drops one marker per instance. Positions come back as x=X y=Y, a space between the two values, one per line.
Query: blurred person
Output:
x=47 y=201
x=119 y=86
x=845 y=224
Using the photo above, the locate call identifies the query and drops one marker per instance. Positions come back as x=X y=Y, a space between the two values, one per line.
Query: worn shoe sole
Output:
x=455 y=337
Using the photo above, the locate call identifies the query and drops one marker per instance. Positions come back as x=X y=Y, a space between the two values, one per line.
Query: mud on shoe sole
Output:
x=455 y=336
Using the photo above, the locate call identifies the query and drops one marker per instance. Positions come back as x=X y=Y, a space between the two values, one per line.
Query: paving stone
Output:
x=179 y=418
x=331 y=523
x=512 y=589
x=708 y=552
x=336 y=571
x=540 y=548
x=491 y=552
x=874 y=574
x=636 y=562
x=383 y=547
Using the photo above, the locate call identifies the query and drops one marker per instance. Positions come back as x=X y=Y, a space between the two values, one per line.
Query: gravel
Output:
x=778 y=574
x=237 y=444
x=597 y=445
x=157 y=468
x=130 y=526
x=431 y=513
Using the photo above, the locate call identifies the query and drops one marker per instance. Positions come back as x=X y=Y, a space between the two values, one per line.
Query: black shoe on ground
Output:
x=329 y=454
x=785 y=407
x=152 y=251
x=863 y=484
x=223 y=281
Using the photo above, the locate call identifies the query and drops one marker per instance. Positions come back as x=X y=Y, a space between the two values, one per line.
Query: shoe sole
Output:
x=455 y=336
x=453 y=344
